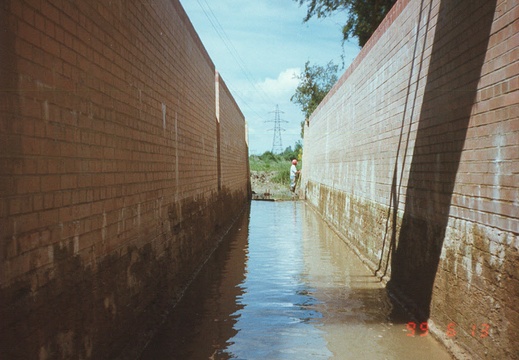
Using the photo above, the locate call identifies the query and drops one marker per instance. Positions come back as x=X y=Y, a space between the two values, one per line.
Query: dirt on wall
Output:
x=422 y=178
x=114 y=185
x=365 y=226
x=125 y=294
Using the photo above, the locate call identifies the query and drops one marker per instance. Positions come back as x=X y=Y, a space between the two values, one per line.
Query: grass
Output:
x=275 y=164
x=261 y=164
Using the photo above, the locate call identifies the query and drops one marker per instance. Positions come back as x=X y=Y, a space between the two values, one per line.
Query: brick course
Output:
x=413 y=156
x=108 y=172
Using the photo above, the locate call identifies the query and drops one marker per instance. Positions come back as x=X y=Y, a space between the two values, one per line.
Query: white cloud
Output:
x=257 y=47
x=282 y=87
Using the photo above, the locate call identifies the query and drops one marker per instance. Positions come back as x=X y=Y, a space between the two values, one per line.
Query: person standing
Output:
x=293 y=175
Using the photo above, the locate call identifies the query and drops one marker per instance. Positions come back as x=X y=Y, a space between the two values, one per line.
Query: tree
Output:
x=290 y=154
x=314 y=83
x=363 y=16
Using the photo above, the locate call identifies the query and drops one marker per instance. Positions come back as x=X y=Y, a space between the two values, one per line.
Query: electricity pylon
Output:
x=277 y=144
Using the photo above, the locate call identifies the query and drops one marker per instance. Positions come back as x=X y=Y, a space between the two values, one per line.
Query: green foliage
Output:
x=283 y=176
x=267 y=162
x=278 y=164
x=290 y=154
x=363 y=16
x=314 y=83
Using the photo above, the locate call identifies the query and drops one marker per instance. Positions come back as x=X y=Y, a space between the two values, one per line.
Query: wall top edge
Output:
x=390 y=18
x=221 y=82
x=191 y=29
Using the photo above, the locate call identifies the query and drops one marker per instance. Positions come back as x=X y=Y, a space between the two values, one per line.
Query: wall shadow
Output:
x=202 y=322
x=410 y=105
x=458 y=53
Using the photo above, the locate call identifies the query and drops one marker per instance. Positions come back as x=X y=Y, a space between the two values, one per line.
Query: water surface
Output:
x=283 y=286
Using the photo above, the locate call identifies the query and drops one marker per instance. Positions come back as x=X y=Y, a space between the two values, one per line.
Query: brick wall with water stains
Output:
x=117 y=174
x=413 y=158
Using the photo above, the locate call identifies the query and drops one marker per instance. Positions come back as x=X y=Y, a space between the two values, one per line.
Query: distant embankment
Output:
x=413 y=157
x=123 y=160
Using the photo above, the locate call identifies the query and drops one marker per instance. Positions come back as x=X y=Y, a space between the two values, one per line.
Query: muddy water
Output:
x=283 y=286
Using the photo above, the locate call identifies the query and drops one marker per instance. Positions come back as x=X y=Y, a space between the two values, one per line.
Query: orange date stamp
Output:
x=422 y=329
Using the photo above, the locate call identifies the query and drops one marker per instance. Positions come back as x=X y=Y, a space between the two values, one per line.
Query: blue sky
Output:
x=258 y=47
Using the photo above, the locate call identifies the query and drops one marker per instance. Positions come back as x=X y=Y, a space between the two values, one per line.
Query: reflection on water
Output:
x=203 y=320
x=275 y=321
x=359 y=319
x=283 y=286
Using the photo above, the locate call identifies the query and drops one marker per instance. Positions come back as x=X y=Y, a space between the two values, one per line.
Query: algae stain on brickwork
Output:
x=360 y=223
x=474 y=262
x=128 y=289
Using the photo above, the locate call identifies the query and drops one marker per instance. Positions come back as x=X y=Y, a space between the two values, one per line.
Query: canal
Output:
x=282 y=285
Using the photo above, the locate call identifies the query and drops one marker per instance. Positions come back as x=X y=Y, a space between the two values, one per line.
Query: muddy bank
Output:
x=265 y=188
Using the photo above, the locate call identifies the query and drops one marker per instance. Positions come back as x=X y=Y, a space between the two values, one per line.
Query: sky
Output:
x=258 y=47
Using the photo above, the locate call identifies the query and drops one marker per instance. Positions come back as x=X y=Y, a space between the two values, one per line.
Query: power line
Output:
x=222 y=34
x=277 y=144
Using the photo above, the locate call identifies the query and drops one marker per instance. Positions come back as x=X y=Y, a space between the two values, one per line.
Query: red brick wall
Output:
x=108 y=171
x=413 y=158
x=233 y=143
